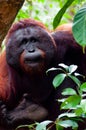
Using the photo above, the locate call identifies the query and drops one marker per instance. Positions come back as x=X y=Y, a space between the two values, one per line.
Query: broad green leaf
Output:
x=72 y=68
x=43 y=125
x=64 y=66
x=83 y=87
x=71 y=102
x=58 y=79
x=69 y=91
x=79 y=27
x=75 y=79
x=83 y=105
x=68 y=123
x=58 y=127
x=78 y=111
x=67 y=115
x=59 y=15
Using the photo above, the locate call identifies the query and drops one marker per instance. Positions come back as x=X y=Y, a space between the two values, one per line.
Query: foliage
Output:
x=59 y=15
x=46 y=10
x=67 y=72
x=74 y=104
x=42 y=10
x=31 y=126
x=79 y=27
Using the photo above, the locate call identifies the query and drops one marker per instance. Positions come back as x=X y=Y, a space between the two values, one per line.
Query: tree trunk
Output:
x=8 y=12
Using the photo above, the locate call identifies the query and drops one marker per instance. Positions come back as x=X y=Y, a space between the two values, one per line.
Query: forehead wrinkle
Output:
x=32 y=30
x=21 y=33
x=36 y=31
x=29 y=31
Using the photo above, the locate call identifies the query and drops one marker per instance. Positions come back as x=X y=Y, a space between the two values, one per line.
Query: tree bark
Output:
x=8 y=12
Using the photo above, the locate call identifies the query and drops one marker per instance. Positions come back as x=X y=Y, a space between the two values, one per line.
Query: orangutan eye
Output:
x=23 y=41
x=33 y=40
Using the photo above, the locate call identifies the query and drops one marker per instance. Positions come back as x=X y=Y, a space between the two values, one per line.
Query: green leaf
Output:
x=61 y=100
x=58 y=79
x=77 y=74
x=71 y=102
x=69 y=91
x=53 y=69
x=83 y=105
x=41 y=1
x=79 y=27
x=75 y=79
x=68 y=123
x=72 y=68
x=67 y=115
x=78 y=111
x=59 y=15
x=58 y=127
x=83 y=87
x=25 y=126
x=22 y=14
x=43 y=125
x=64 y=66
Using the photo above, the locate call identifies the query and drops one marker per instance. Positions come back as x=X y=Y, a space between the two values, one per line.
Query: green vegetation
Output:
x=46 y=10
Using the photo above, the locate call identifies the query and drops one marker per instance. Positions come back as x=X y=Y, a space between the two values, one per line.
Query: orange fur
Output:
x=4 y=79
x=65 y=27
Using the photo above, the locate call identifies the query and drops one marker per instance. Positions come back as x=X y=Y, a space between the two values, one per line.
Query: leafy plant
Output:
x=31 y=126
x=67 y=72
x=59 y=15
x=50 y=12
x=79 y=27
x=74 y=104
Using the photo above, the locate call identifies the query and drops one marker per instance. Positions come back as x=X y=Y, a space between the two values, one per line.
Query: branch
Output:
x=8 y=12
